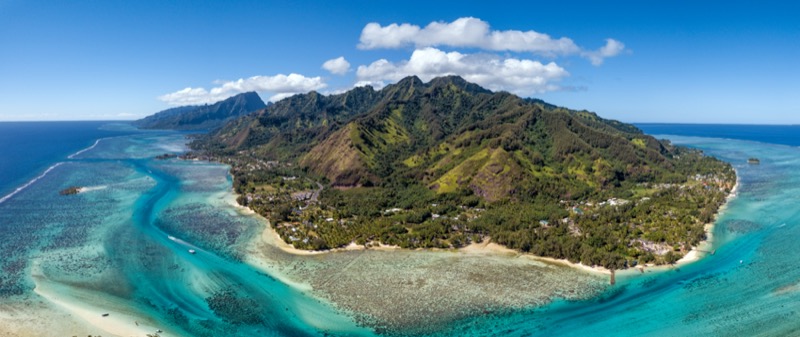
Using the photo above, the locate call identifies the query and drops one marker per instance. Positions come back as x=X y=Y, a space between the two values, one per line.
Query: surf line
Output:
x=87 y=149
x=19 y=189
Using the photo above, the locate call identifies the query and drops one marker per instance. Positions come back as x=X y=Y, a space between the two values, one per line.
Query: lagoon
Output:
x=122 y=247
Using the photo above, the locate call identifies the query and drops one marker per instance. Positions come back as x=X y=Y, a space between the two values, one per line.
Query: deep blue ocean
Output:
x=27 y=149
x=159 y=244
x=773 y=134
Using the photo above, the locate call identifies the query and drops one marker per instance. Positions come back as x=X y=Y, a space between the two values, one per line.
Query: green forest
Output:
x=447 y=163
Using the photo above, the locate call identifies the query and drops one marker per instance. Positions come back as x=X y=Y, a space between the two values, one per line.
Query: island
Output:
x=70 y=190
x=447 y=163
x=166 y=156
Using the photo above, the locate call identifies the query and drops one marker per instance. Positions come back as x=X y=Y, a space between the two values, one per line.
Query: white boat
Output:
x=191 y=251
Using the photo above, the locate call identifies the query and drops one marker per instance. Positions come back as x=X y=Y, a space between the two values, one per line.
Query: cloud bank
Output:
x=472 y=32
x=467 y=47
x=280 y=86
x=520 y=76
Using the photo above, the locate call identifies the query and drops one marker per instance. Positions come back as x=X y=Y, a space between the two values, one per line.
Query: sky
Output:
x=731 y=62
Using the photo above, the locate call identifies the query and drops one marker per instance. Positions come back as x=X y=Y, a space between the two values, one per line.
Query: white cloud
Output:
x=374 y=84
x=520 y=76
x=336 y=91
x=374 y=36
x=472 y=32
x=612 y=48
x=463 y=32
x=186 y=96
x=337 y=66
x=278 y=97
x=280 y=86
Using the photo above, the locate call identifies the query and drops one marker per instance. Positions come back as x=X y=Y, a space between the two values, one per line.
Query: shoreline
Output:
x=697 y=252
x=288 y=248
x=487 y=247
x=694 y=254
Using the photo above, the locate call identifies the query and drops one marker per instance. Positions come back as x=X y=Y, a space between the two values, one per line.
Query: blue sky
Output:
x=716 y=62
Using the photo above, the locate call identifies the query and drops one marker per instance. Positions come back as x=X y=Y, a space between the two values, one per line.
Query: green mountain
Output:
x=446 y=163
x=203 y=117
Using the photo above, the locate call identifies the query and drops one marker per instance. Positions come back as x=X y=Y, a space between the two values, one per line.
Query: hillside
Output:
x=203 y=117
x=446 y=163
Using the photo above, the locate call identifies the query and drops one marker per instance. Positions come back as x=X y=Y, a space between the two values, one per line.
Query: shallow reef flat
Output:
x=36 y=318
x=58 y=275
x=423 y=291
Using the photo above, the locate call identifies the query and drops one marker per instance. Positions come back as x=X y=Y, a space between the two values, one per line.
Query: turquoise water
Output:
x=750 y=286
x=127 y=239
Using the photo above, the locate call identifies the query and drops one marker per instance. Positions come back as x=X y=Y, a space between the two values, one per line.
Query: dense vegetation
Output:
x=203 y=117
x=448 y=163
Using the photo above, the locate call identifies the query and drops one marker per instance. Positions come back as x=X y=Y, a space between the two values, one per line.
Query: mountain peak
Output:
x=250 y=95
x=458 y=82
x=410 y=81
x=449 y=79
x=404 y=89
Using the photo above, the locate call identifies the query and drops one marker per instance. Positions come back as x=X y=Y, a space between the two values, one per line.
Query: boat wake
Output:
x=23 y=187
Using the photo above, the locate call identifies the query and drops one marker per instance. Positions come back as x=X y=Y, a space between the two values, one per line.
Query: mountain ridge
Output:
x=203 y=117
